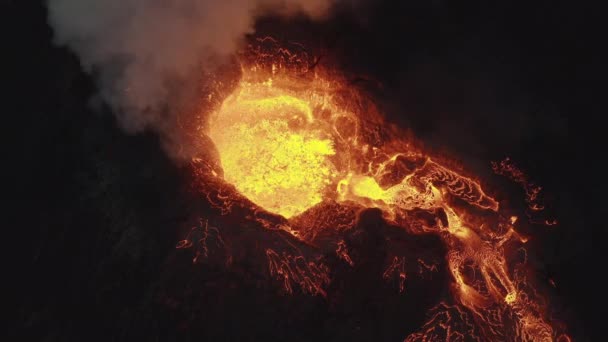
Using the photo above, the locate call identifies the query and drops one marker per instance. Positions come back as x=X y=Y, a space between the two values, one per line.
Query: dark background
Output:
x=96 y=210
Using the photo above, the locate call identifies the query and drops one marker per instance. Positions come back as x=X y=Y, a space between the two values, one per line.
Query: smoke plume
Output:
x=138 y=50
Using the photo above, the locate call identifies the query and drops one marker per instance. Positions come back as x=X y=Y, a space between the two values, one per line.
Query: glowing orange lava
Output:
x=271 y=148
x=290 y=143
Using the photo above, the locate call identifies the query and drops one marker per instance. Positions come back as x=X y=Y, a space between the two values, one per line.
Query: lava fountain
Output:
x=304 y=144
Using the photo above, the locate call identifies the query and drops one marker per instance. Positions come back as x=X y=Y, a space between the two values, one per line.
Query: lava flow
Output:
x=308 y=148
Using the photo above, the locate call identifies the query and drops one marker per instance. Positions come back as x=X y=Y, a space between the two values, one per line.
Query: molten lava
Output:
x=271 y=150
x=291 y=143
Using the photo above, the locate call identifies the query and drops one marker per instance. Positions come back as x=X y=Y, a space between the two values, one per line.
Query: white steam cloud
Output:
x=136 y=47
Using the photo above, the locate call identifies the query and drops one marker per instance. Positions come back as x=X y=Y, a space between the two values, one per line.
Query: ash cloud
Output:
x=138 y=50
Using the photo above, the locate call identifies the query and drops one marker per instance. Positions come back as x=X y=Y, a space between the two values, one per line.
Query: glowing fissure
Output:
x=289 y=145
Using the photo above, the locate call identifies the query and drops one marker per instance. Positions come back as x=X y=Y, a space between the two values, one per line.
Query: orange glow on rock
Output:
x=291 y=144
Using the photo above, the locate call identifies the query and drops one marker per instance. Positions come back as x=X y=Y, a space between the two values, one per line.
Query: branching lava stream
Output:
x=296 y=144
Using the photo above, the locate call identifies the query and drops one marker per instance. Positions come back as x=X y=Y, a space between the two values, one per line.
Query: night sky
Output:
x=98 y=212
